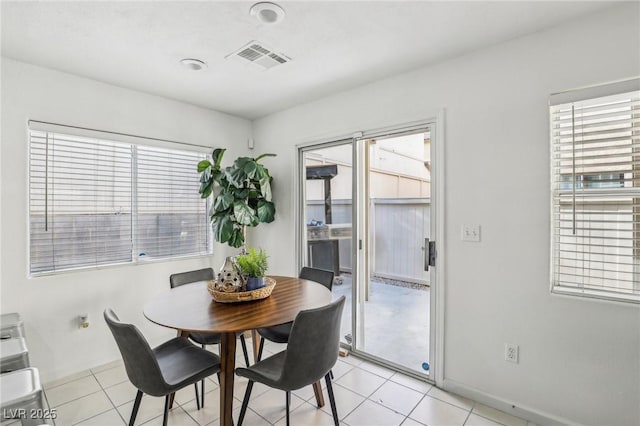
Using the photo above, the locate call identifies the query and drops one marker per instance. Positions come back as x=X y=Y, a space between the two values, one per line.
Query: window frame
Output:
x=134 y=141
x=615 y=182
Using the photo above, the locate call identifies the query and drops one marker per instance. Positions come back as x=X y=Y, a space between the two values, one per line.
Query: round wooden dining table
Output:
x=190 y=308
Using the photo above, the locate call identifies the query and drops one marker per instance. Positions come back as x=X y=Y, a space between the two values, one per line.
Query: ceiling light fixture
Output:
x=267 y=13
x=193 y=64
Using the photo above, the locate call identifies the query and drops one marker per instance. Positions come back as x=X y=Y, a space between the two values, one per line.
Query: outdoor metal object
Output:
x=11 y=325
x=15 y=354
x=21 y=397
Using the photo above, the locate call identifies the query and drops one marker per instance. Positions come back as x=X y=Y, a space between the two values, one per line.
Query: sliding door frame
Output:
x=435 y=123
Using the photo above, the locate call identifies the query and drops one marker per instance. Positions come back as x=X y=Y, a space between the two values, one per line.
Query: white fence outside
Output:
x=400 y=226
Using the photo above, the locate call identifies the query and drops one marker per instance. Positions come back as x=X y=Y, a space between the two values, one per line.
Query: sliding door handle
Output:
x=429 y=253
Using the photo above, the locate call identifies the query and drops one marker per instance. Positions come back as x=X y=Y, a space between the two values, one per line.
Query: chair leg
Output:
x=260 y=349
x=331 y=374
x=245 y=402
x=202 y=396
x=195 y=385
x=288 y=396
x=332 y=400
x=136 y=406
x=244 y=349
x=166 y=411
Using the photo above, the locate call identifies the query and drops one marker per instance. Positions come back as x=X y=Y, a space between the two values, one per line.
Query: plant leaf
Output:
x=243 y=213
x=265 y=187
x=241 y=194
x=206 y=175
x=223 y=229
x=235 y=176
x=203 y=165
x=223 y=201
x=241 y=161
x=237 y=238
x=217 y=156
x=260 y=172
x=266 y=211
x=250 y=168
x=254 y=263
x=206 y=188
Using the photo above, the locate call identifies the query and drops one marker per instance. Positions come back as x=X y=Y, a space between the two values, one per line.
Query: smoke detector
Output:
x=267 y=13
x=258 y=54
x=193 y=64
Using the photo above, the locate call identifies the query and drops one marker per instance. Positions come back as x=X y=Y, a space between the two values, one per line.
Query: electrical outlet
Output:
x=471 y=233
x=83 y=319
x=511 y=352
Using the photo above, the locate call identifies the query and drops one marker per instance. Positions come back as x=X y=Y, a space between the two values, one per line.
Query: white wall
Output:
x=50 y=305
x=579 y=359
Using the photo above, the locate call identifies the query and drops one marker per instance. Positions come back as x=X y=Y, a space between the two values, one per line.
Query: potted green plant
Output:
x=241 y=195
x=253 y=265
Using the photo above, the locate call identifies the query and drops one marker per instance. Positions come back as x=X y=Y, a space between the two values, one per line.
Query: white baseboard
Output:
x=510 y=407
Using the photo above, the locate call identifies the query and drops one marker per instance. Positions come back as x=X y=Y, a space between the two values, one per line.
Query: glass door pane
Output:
x=327 y=209
x=393 y=287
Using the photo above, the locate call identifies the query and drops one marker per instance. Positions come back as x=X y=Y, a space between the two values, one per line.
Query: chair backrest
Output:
x=189 y=277
x=139 y=360
x=321 y=276
x=313 y=345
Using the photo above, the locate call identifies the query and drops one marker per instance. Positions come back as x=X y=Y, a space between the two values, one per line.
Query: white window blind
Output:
x=95 y=201
x=595 y=149
x=171 y=217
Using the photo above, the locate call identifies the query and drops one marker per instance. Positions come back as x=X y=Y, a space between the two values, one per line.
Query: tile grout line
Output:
x=416 y=406
x=447 y=402
x=74 y=400
x=382 y=405
x=349 y=369
x=366 y=398
x=116 y=407
x=492 y=420
x=46 y=398
x=106 y=395
x=468 y=415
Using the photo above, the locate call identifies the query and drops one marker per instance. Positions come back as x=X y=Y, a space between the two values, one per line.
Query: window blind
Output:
x=595 y=164
x=80 y=202
x=96 y=202
x=171 y=217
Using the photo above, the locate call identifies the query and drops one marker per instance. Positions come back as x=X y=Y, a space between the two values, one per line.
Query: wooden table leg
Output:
x=255 y=338
x=317 y=390
x=227 y=367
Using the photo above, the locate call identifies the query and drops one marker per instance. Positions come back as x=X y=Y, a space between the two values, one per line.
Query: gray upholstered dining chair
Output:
x=190 y=277
x=311 y=354
x=163 y=370
x=280 y=333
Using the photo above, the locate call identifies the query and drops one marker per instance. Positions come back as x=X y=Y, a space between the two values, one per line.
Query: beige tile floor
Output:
x=366 y=395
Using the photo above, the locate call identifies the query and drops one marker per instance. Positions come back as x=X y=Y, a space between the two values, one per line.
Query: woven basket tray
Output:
x=242 y=296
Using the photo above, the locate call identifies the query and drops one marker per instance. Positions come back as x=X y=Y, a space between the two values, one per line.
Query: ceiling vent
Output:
x=258 y=54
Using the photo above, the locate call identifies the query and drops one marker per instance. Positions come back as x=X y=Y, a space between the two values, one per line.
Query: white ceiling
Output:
x=334 y=45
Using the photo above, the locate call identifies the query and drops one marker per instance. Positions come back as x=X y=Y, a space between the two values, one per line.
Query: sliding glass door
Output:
x=393 y=289
x=327 y=207
x=366 y=209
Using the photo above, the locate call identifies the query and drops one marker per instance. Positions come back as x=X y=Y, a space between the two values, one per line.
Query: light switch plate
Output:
x=471 y=233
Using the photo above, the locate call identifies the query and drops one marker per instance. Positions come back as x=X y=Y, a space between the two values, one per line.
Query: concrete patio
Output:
x=396 y=321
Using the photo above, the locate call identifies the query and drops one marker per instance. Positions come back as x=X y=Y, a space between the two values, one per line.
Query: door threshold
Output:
x=424 y=377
